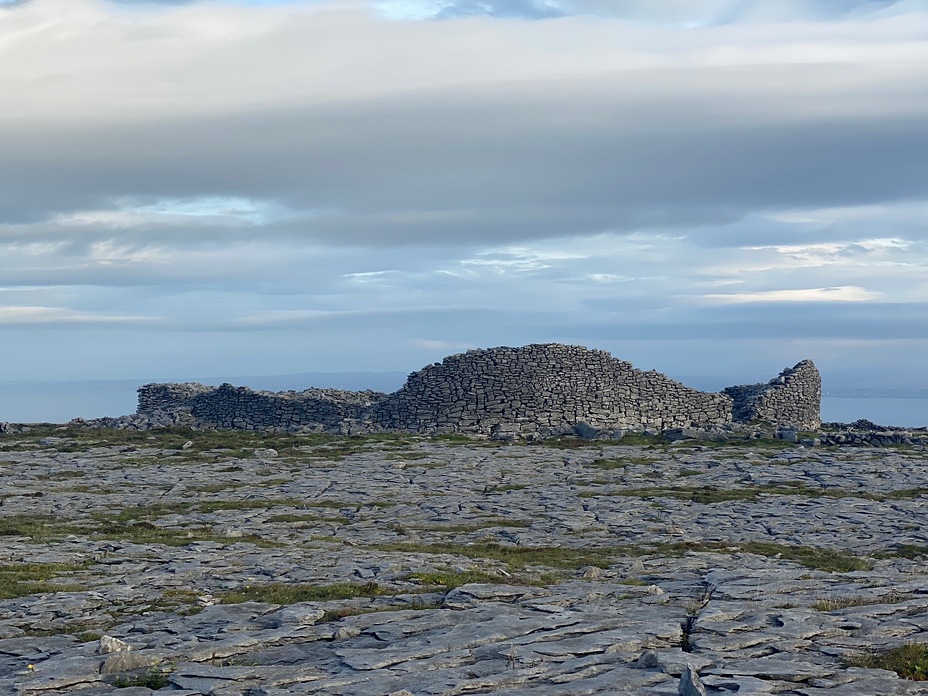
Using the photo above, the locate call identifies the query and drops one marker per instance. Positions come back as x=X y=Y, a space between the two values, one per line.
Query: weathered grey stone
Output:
x=648 y=660
x=690 y=685
x=127 y=661
x=108 y=644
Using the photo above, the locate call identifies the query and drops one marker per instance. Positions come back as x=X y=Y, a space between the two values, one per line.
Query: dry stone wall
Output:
x=541 y=389
x=544 y=387
x=792 y=398
x=242 y=408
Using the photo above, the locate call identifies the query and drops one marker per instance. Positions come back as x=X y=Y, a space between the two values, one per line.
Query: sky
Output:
x=703 y=187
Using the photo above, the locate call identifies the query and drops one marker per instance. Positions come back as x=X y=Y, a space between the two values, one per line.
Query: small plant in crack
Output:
x=692 y=613
x=702 y=600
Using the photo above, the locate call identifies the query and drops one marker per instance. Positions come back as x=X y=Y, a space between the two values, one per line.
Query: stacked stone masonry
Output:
x=792 y=398
x=541 y=388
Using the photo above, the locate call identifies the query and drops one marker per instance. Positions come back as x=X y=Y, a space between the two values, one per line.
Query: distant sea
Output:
x=59 y=402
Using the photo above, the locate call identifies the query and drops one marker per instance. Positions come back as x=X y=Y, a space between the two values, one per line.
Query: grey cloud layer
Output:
x=467 y=182
x=447 y=169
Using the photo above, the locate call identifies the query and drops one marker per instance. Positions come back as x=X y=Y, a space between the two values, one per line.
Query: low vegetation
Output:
x=449 y=579
x=838 y=603
x=811 y=557
x=479 y=525
x=909 y=661
x=154 y=678
x=291 y=593
x=520 y=557
x=707 y=495
x=19 y=580
x=516 y=557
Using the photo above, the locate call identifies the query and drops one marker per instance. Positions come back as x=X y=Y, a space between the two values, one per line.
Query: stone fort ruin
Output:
x=540 y=388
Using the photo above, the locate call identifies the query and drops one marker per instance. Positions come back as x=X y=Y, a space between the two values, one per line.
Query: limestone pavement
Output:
x=453 y=566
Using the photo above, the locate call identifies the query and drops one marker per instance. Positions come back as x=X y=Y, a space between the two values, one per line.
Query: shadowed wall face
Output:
x=792 y=398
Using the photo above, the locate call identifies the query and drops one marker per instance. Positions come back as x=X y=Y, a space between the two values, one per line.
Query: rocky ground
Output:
x=209 y=563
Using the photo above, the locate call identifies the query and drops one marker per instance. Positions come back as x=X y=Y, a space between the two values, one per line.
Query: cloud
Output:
x=513 y=141
x=526 y=9
x=844 y=293
x=60 y=316
x=726 y=11
x=660 y=171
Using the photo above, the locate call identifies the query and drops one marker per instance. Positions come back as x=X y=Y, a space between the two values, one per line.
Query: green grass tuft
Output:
x=909 y=661
x=449 y=579
x=30 y=578
x=287 y=593
x=514 y=556
x=155 y=678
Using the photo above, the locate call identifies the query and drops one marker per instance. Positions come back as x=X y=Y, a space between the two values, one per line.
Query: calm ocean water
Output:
x=59 y=402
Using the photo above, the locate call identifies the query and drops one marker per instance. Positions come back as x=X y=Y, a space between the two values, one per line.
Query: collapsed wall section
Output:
x=794 y=398
x=231 y=407
x=543 y=386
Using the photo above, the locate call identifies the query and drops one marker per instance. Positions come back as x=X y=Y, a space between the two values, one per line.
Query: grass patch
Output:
x=155 y=678
x=180 y=601
x=293 y=517
x=905 y=551
x=62 y=475
x=148 y=533
x=230 y=442
x=406 y=456
x=330 y=504
x=838 y=603
x=287 y=593
x=458 y=439
x=609 y=464
x=448 y=580
x=705 y=495
x=39 y=528
x=250 y=504
x=810 y=557
x=909 y=661
x=30 y=578
x=769 y=443
x=344 y=612
x=219 y=487
x=708 y=495
x=159 y=510
x=642 y=440
x=505 y=488
x=136 y=525
x=564 y=443
x=516 y=557
x=488 y=523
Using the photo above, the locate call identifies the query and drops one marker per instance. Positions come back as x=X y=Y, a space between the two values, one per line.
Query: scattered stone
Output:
x=690 y=685
x=108 y=644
